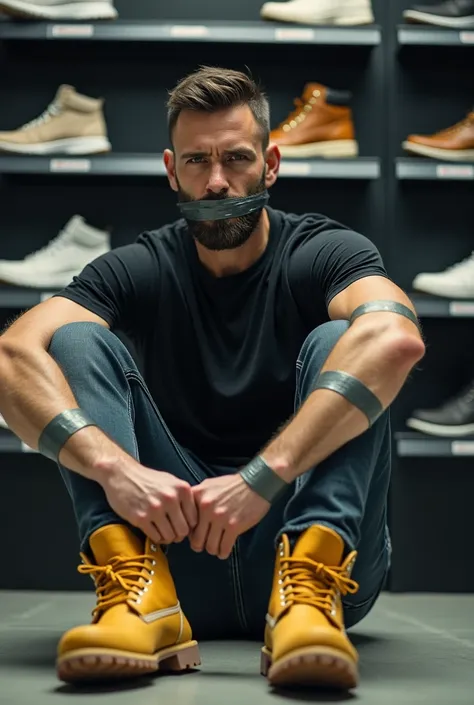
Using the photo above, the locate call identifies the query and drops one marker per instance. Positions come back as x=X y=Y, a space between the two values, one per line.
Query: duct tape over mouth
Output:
x=223 y=208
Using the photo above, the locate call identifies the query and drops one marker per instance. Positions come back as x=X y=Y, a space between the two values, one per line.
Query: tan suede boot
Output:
x=72 y=124
x=138 y=626
x=305 y=639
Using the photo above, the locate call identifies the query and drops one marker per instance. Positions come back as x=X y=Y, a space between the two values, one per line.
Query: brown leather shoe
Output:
x=452 y=144
x=305 y=639
x=321 y=125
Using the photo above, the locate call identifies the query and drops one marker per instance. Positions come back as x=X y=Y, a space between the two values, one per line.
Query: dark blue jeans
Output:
x=229 y=599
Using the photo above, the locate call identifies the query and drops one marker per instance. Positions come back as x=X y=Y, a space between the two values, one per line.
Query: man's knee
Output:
x=72 y=340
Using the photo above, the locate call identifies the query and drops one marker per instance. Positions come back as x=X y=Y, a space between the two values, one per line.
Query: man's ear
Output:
x=169 y=161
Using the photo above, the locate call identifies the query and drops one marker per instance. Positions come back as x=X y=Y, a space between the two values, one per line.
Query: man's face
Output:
x=219 y=155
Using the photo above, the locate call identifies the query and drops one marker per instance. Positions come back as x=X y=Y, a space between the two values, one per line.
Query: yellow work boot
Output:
x=138 y=626
x=305 y=639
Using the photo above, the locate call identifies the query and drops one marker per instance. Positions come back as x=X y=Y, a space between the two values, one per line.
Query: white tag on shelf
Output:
x=462 y=447
x=27 y=449
x=461 y=308
x=72 y=30
x=70 y=165
x=295 y=168
x=454 y=171
x=189 y=30
x=294 y=34
x=466 y=37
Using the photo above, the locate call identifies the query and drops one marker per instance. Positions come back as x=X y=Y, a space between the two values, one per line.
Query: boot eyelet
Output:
x=149 y=582
x=153 y=562
x=138 y=601
x=153 y=547
x=144 y=590
x=152 y=572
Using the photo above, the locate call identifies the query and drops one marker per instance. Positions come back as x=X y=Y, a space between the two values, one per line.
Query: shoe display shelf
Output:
x=152 y=165
x=408 y=168
x=180 y=31
x=419 y=35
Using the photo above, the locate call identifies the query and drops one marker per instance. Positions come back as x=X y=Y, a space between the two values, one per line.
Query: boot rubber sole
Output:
x=448 y=155
x=69 y=145
x=105 y=664
x=312 y=666
x=88 y=10
x=330 y=149
x=416 y=17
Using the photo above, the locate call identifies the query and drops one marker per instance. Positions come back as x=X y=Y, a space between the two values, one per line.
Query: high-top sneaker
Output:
x=305 y=639
x=60 y=260
x=138 y=625
x=60 y=9
x=72 y=124
x=455 y=143
x=321 y=125
x=458 y=14
x=317 y=12
x=456 y=282
x=452 y=419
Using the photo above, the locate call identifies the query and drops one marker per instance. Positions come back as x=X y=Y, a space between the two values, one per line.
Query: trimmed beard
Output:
x=226 y=234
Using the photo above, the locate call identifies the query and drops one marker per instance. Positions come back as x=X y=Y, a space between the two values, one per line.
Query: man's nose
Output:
x=217 y=181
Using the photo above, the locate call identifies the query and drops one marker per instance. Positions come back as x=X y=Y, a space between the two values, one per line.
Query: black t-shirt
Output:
x=219 y=354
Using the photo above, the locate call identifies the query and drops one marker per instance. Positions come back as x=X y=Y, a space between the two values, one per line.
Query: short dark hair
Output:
x=212 y=88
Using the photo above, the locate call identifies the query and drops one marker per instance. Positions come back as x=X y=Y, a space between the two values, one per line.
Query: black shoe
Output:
x=457 y=14
x=454 y=418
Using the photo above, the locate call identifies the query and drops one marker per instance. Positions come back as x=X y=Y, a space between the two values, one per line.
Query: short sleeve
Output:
x=119 y=286
x=327 y=263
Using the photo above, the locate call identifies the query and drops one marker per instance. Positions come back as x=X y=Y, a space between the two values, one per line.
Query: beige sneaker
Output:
x=60 y=9
x=72 y=124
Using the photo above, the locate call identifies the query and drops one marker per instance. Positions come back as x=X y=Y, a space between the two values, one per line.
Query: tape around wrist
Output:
x=58 y=431
x=263 y=480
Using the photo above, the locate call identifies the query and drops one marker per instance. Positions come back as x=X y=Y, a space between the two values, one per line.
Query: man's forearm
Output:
x=33 y=391
x=326 y=421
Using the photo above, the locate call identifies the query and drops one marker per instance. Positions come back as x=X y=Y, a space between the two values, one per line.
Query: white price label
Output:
x=453 y=171
x=189 y=30
x=295 y=168
x=70 y=165
x=72 y=30
x=466 y=37
x=27 y=449
x=461 y=308
x=462 y=448
x=294 y=34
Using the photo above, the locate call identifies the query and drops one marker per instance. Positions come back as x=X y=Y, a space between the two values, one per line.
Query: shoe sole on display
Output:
x=106 y=664
x=438 y=20
x=433 y=429
x=360 y=18
x=71 y=11
x=448 y=155
x=311 y=666
x=72 y=145
x=331 y=149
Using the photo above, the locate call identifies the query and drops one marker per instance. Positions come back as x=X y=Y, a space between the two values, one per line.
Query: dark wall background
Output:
x=418 y=226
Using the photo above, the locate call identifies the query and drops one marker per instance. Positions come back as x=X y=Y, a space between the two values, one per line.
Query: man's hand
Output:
x=227 y=507
x=158 y=503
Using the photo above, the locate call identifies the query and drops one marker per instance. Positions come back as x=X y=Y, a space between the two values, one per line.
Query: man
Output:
x=228 y=490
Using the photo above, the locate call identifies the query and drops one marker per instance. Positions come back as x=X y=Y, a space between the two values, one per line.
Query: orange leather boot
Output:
x=455 y=144
x=321 y=126
x=305 y=639
x=138 y=626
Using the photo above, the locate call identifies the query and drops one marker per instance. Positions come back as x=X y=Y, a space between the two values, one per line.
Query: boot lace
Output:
x=51 y=111
x=298 y=115
x=307 y=582
x=116 y=580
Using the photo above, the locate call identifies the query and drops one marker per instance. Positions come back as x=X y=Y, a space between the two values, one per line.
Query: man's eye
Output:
x=237 y=157
x=195 y=160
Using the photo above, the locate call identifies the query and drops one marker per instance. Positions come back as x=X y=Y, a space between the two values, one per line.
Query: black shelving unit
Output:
x=419 y=445
x=419 y=35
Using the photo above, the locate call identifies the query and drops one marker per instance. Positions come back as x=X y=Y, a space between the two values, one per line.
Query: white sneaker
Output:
x=60 y=9
x=455 y=282
x=64 y=257
x=333 y=12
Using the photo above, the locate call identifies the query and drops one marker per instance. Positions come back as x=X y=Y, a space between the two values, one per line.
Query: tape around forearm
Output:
x=60 y=429
x=390 y=306
x=353 y=390
x=263 y=480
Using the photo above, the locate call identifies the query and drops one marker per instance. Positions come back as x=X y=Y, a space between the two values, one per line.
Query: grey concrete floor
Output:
x=413 y=649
